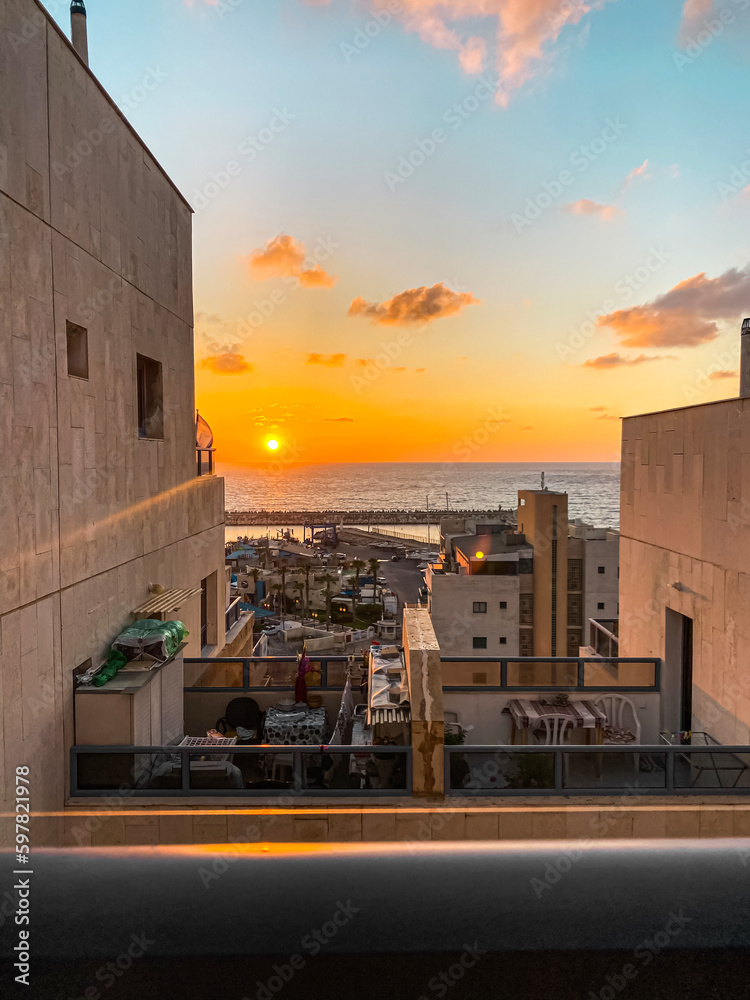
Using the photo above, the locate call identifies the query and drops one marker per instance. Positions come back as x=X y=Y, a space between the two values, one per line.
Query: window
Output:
x=503 y=605
x=78 y=350
x=600 y=605
x=503 y=640
x=150 y=398
x=479 y=607
x=601 y=569
x=479 y=642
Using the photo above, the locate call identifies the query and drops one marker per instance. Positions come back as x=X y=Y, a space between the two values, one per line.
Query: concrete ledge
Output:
x=579 y=822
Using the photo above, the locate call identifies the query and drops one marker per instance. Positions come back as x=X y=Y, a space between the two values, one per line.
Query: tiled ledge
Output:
x=579 y=821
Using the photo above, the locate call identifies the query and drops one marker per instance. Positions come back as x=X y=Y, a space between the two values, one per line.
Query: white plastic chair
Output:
x=555 y=728
x=614 y=707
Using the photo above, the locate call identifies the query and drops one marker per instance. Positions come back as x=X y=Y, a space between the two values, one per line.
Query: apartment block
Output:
x=530 y=591
x=685 y=574
x=100 y=497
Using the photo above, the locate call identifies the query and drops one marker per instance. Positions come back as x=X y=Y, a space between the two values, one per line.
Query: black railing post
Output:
x=185 y=769
x=670 y=768
x=558 y=769
x=298 y=765
x=581 y=674
x=503 y=673
x=246 y=673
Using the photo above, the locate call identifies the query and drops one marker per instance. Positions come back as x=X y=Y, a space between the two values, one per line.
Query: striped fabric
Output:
x=529 y=714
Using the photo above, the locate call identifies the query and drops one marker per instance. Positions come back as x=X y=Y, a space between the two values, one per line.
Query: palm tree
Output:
x=328 y=580
x=306 y=570
x=255 y=574
x=299 y=587
x=283 y=591
x=374 y=566
x=276 y=588
x=357 y=565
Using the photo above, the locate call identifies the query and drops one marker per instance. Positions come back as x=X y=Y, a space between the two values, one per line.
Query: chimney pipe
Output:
x=78 y=33
x=745 y=358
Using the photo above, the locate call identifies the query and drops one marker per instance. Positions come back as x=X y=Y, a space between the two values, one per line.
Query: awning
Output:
x=161 y=605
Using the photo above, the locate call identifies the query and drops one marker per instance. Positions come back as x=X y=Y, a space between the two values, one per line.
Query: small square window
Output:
x=78 y=350
x=150 y=398
x=600 y=605
x=601 y=569
x=503 y=640
x=503 y=605
x=479 y=607
x=479 y=642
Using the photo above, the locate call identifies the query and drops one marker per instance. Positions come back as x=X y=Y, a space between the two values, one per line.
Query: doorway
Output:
x=677 y=681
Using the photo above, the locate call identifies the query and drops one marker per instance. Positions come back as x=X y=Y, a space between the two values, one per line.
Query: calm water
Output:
x=592 y=487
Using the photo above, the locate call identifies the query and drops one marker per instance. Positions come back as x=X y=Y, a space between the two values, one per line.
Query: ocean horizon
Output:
x=593 y=488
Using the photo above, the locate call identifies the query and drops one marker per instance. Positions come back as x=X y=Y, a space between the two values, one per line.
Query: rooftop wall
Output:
x=685 y=546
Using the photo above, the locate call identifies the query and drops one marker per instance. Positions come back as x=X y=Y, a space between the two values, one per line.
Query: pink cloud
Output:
x=326 y=360
x=686 y=315
x=693 y=14
x=228 y=362
x=587 y=207
x=634 y=174
x=524 y=32
x=620 y=361
x=284 y=256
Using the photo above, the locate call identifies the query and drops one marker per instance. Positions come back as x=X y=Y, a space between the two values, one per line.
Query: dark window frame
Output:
x=479 y=642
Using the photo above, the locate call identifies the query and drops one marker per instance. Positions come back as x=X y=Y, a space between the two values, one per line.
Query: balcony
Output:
x=481 y=700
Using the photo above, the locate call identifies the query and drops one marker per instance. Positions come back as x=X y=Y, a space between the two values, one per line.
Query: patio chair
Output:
x=555 y=729
x=244 y=712
x=617 y=732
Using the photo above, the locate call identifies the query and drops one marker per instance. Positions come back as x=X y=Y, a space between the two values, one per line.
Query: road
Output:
x=402 y=577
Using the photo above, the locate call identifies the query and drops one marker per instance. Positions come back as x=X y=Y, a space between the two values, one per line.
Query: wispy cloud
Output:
x=339 y=420
x=283 y=256
x=635 y=174
x=415 y=306
x=686 y=315
x=693 y=14
x=620 y=361
x=717 y=376
x=587 y=207
x=519 y=36
x=327 y=360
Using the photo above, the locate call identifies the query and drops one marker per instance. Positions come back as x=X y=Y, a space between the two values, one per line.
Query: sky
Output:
x=476 y=230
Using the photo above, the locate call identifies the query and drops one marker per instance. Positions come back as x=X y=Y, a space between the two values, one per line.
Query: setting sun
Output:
x=273 y=444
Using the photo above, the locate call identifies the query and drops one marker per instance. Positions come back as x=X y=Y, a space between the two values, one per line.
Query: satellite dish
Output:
x=204 y=436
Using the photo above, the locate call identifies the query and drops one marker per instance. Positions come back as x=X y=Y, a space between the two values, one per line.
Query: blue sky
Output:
x=514 y=293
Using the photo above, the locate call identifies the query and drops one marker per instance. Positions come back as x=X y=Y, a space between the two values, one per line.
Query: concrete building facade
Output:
x=98 y=483
x=685 y=576
x=527 y=592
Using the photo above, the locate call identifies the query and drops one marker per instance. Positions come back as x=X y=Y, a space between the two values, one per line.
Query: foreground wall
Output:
x=92 y=232
x=685 y=546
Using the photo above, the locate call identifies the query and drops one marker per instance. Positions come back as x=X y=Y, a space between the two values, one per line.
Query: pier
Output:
x=357 y=517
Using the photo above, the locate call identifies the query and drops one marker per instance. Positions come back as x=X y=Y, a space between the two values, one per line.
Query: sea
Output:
x=593 y=489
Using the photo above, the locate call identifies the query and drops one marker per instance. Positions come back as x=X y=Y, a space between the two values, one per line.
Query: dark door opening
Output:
x=686 y=706
x=204 y=613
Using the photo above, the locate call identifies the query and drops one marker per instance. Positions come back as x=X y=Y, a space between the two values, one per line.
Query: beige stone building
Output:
x=100 y=497
x=685 y=577
x=530 y=592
